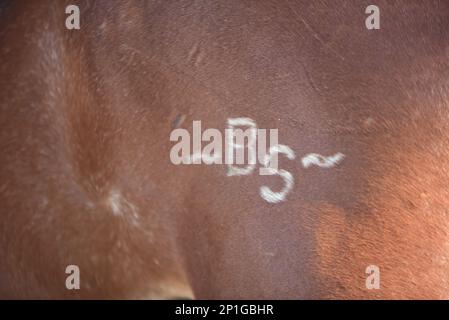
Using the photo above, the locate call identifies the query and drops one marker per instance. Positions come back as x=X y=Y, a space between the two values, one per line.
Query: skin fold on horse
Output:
x=86 y=178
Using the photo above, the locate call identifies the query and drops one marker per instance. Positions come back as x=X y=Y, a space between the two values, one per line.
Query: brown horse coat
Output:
x=86 y=178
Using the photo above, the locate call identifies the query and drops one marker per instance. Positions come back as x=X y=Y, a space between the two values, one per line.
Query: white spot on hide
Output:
x=122 y=207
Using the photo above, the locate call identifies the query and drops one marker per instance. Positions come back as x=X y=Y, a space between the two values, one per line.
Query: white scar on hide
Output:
x=122 y=207
x=321 y=161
